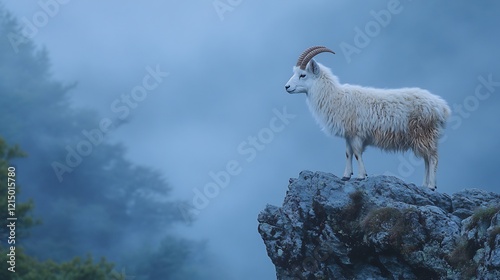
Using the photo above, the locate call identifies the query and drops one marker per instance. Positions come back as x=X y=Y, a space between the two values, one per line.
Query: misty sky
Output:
x=227 y=67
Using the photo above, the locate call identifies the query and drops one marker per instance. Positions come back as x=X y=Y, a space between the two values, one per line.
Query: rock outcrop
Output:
x=381 y=228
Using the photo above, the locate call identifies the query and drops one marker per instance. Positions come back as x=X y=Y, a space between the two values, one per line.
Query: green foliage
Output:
x=382 y=219
x=22 y=210
x=29 y=268
x=393 y=221
x=462 y=256
x=106 y=189
x=492 y=236
x=105 y=202
x=482 y=215
x=7 y=153
x=352 y=211
x=170 y=258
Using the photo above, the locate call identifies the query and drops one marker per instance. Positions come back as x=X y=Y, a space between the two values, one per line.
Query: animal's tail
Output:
x=444 y=114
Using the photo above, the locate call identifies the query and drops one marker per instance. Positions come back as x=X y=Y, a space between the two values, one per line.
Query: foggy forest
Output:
x=147 y=137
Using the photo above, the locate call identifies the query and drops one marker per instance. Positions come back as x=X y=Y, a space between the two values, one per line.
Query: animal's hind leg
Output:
x=430 y=155
x=358 y=147
x=424 y=135
x=348 y=163
x=426 y=174
x=433 y=162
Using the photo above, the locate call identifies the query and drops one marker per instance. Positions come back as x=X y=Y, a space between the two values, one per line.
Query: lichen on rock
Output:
x=381 y=228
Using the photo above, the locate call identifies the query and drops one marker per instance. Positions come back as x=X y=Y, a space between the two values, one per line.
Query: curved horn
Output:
x=311 y=54
x=304 y=53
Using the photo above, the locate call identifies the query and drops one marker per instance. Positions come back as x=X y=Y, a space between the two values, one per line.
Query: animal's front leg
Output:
x=361 y=167
x=348 y=162
x=358 y=148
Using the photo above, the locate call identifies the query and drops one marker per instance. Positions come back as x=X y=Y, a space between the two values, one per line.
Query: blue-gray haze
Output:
x=221 y=106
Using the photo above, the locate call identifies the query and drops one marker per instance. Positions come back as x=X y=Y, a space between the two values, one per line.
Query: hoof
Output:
x=432 y=188
x=345 y=178
x=362 y=178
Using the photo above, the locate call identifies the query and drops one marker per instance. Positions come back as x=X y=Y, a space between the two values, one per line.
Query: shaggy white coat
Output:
x=391 y=119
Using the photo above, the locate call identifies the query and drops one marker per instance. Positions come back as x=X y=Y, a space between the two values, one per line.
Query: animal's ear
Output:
x=313 y=67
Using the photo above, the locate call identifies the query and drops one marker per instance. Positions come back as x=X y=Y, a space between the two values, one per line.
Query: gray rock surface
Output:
x=381 y=228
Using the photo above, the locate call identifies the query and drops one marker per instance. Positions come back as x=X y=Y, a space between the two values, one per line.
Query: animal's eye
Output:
x=302 y=76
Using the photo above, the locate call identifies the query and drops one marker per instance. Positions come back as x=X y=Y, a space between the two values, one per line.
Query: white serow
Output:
x=391 y=119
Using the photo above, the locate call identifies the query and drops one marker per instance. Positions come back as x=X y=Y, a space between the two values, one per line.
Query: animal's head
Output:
x=306 y=71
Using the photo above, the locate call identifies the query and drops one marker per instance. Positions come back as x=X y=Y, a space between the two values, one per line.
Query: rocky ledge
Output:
x=381 y=228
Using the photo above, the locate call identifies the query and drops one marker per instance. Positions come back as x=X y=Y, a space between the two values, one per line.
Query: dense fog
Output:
x=156 y=131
